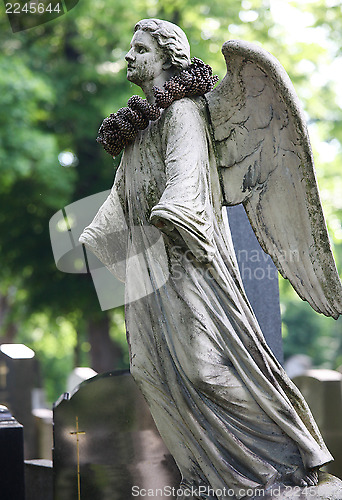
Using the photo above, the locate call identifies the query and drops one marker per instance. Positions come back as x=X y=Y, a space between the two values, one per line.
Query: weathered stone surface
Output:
x=329 y=488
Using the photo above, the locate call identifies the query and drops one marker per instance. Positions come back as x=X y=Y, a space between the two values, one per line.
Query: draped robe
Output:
x=224 y=406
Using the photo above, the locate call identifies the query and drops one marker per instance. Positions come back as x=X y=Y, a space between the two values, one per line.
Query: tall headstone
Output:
x=106 y=445
x=43 y=433
x=18 y=377
x=259 y=276
x=79 y=375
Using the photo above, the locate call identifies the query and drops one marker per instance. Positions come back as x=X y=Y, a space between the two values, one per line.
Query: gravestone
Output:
x=322 y=390
x=259 y=276
x=43 y=433
x=11 y=457
x=106 y=445
x=78 y=375
x=38 y=480
x=297 y=365
x=18 y=377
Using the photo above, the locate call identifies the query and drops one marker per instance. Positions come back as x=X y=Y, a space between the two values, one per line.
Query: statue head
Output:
x=170 y=38
x=159 y=49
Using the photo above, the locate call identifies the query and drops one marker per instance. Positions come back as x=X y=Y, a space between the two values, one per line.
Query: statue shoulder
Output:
x=186 y=111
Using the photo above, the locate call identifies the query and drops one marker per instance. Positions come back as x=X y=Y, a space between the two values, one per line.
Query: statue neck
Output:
x=147 y=87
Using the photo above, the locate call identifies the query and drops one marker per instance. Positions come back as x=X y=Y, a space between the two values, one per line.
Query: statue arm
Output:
x=184 y=209
x=106 y=236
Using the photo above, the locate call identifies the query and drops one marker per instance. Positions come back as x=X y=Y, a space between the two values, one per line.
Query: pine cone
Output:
x=149 y=110
x=175 y=88
x=163 y=97
x=126 y=113
x=209 y=69
x=133 y=101
x=191 y=87
x=153 y=112
x=115 y=150
x=197 y=62
x=203 y=85
x=110 y=146
x=186 y=78
x=127 y=130
x=108 y=123
x=140 y=121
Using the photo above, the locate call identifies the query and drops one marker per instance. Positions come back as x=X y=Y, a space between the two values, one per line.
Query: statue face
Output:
x=145 y=59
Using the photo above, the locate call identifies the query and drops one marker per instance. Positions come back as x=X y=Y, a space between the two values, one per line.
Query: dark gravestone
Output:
x=259 y=276
x=38 y=480
x=18 y=377
x=106 y=430
x=11 y=457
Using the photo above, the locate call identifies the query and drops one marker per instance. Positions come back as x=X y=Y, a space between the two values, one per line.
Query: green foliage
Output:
x=54 y=343
x=305 y=331
x=118 y=334
x=57 y=83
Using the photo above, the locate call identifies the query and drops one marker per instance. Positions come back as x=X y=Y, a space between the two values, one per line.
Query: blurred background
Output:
x=57 y=82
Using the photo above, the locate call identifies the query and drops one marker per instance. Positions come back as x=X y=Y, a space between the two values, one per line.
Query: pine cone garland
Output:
x=153 y=112
x=140 y=121
x=119 y=129
x=126 y=113
x=127 y=130
x=163 y=97
x=198 y=62
x=111 y=145
x=146 y=109
x=133 y=101
x=176 y=88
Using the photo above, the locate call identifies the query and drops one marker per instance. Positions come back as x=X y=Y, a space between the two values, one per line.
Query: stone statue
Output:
x=224 y=406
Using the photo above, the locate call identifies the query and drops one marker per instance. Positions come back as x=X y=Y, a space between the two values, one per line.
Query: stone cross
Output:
x=77 y=433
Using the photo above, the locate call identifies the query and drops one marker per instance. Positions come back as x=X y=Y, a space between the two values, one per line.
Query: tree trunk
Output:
x=105 y=354
x=8 y=329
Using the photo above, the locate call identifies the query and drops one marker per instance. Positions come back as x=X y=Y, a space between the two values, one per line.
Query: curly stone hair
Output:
x=170 y=38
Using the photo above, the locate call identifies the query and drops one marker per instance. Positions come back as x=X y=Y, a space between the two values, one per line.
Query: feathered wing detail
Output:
x=265 y=162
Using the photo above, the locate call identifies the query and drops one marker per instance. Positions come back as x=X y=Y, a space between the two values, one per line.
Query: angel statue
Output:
x=223 y=404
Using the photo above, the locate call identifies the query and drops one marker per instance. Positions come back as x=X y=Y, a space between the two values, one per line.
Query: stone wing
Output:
x=265 y=162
